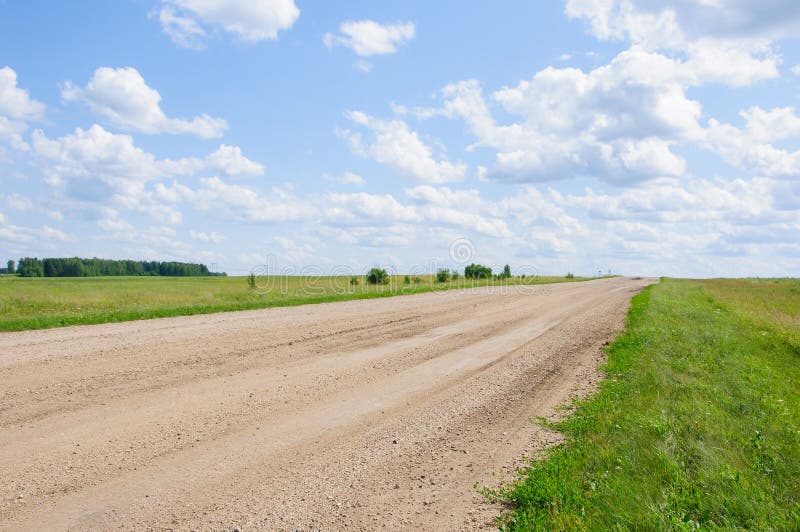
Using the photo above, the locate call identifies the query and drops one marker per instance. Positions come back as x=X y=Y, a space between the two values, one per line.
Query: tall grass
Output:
x=696 y=426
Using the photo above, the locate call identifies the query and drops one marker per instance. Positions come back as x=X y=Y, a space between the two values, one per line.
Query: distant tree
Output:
x=477 y=271
x=377 y=276
x=406 y=280
x=30 y=267
x=11 y=266
x=251 y=281
x=443 y=275
x=506 y=271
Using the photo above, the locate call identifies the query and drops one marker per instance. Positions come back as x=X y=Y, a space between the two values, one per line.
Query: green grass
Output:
x=697 y=425
x=37 y=303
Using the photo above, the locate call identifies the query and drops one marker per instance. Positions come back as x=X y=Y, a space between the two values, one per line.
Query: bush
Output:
x=406 y=280
x=354 y=281
x=570 y=275
x=443 y=275
x=477 y=271
x=506 y=272
x=417 y=279
x=251 y=281
x=377 y=276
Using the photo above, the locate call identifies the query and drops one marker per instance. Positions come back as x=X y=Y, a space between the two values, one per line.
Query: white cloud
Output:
x=244 y=204
x=184 y=31
x=18 y=203
x=347 y=178
x=16 y=103
x=367 y=37
x=230 y=161
x=248 y=20
x=727 y=41
x=17 y=110
x=32 y=236
x=213 y=236
x=675 y=23
x=402 y=149
x=750 y=148
x=121 y=96
x=618 y=122
x=96 y=167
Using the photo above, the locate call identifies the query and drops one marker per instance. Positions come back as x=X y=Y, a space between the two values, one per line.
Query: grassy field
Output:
x=37 y=303
x=697 y=425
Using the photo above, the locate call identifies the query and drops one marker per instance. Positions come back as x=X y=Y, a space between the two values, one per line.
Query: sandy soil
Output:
x=358 y=415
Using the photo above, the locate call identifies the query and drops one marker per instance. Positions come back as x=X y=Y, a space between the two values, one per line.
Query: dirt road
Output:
x=353 y=415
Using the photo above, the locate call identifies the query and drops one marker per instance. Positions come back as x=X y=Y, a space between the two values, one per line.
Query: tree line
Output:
x=78 y=267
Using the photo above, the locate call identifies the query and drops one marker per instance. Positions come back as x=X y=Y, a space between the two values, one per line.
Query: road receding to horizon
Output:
x=356 y=414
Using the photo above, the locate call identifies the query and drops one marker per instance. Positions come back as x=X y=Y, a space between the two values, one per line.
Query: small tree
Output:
x=478 y=271
x=251 y=281
x=443 y=275
x=30 y=267
x=506 y=271
x=354 y=281
x=11 y=266
x=570 y=275
x=406 y=280
x=377 y=276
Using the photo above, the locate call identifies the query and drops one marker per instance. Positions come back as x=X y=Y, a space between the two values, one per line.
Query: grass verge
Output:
x=40 y=303
x=696 y=426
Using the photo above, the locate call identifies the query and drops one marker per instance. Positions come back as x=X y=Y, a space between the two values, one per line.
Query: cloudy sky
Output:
x=554 y=136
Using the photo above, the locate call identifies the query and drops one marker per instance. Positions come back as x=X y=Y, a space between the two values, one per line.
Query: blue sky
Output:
x=623 y=135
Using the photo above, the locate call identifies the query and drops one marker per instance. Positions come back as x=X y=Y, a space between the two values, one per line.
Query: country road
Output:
x=357 y=415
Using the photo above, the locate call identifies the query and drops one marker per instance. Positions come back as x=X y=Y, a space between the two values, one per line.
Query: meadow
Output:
x=38 y=303
x=697 y=425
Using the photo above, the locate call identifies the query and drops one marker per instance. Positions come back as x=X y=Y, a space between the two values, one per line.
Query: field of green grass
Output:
x=37 y=303
x=697 y=425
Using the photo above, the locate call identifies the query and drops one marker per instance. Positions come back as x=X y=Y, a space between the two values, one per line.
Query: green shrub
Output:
x=477 y=271
x=443 y=275
x=570 y=275
x=354 y=281
x=406 y=280
x=377 y=276
x=251 y=281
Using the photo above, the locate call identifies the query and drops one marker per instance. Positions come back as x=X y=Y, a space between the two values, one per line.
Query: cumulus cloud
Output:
x=95 y=166
x=17 y=109
x=401 y=148
x=618 y=122
x=15 y=102
x=121 y=96
x=230 y=161
x=750 y=148
x=367 y=37
x=727 y=41
x=673 y=24
x=186 y=21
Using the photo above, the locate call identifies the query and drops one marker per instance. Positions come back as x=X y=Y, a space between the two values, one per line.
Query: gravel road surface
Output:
x=357 y=415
